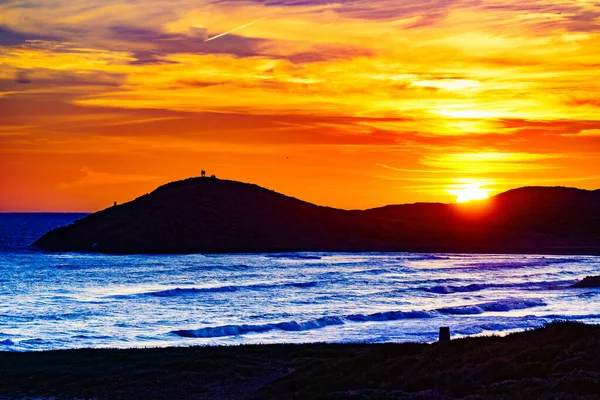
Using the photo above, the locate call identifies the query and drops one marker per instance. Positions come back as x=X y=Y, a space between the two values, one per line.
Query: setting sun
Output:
x=471 y=193
x=346 y=104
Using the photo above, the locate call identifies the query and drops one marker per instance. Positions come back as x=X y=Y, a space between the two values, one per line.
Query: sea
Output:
x=85 y=300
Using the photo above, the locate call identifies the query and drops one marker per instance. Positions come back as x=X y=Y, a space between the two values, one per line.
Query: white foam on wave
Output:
x=236 y=330
x=475 y=287
x=390 y=316
x=176 y=292
x=294 y=256
x=294 y=326
x=494 y=306
x=423 y=257
x=516 y=263
x=187 y=291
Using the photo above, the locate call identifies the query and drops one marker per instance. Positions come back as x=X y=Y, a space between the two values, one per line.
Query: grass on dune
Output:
x=561 y=360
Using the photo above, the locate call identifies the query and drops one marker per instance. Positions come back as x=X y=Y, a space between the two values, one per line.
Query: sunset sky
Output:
x=351 y=104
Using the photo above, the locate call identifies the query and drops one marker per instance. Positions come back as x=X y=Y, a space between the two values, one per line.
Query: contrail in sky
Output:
x=235 y=29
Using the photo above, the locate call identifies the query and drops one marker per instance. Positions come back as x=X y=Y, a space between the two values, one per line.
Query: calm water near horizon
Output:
x=70 y=300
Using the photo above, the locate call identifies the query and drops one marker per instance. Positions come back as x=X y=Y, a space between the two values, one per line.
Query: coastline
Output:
x=561 y=358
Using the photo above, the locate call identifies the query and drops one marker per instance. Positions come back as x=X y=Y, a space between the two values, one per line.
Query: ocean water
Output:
x=69 y=300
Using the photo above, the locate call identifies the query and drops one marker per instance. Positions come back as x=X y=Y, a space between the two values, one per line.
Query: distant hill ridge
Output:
x=207 y=215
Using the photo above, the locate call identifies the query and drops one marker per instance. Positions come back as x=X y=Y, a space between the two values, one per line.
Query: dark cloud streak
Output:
x=10 y=37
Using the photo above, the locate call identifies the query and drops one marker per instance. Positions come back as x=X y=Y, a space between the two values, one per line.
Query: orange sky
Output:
x=351 y=104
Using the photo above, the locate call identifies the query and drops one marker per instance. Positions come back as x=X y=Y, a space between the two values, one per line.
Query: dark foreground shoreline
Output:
x=561 y=360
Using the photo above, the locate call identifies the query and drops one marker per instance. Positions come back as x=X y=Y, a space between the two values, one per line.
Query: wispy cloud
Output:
x=482 y=163
x=401 y=90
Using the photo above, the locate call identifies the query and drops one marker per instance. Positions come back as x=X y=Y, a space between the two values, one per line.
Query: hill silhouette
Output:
x=203 y=215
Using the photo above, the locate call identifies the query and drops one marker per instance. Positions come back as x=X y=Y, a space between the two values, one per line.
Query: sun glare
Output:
x=471 y=193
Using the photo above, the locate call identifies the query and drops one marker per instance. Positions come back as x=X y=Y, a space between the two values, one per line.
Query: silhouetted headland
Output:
x=204 y=215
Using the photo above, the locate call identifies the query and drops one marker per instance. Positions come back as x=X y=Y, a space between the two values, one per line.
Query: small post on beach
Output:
x=444 y=334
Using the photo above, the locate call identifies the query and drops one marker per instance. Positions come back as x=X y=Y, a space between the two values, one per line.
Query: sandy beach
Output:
x=561 y=360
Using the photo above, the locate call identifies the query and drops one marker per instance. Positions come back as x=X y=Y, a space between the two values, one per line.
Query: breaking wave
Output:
x=525 y=263
x=187 y=291
x=494 y=306
x=230 y=288
x=390 y=316
x=295 y=326
x=446 y=289
x=235 y=330
x=423 y=257
x=294 y=256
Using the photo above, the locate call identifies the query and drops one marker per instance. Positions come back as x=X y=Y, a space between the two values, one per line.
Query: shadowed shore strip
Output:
x=562 y=359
